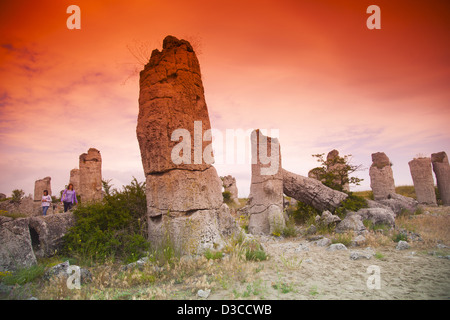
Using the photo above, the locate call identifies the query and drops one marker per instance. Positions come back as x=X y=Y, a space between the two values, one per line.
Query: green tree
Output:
x=17 y=195
x=335 y=172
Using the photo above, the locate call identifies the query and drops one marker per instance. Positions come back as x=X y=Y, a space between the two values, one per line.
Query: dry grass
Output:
x=378 y=240
x=180 y=278
x=432 y=229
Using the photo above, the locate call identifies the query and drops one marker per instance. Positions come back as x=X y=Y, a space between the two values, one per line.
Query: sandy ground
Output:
x=322 y=274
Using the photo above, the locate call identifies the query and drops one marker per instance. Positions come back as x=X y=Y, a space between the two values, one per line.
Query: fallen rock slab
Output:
x=311 y=192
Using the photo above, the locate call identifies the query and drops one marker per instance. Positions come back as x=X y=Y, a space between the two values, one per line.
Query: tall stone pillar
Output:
x=337 y=168
x=75 y=179
x=422 y=176
x=266 y=189
x=39 y=187
x=229 y=184
x=381 y=176
x=90 y=172
x=184 y=192
x=441 y=169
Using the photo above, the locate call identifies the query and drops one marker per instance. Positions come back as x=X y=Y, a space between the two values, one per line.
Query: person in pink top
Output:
x=69 y=197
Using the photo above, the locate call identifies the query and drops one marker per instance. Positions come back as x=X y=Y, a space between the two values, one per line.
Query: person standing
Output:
x=46 y=201
x=69 y=197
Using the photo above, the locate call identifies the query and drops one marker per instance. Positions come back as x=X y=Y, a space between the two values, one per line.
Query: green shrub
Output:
x=283 y=287
x=325 y=229
x=289 y=230
x=213 y=255
x=226 y=197
x=379 y=256
x=24 y=275
x=399 y=237
x=13 y=215
x=112 y=228
x=352 y=203
x=304 y=213
x=374 y=227
x=17 y=195
x=255 y=255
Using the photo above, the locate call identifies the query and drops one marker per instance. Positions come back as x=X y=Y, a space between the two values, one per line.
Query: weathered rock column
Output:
x=184 y=192
x=441 y=169
x=229 y=184
x=381 y=176
x=422 y=176
x=90 y=188
x=40 y=186
x=75 y=179
x=266 y=189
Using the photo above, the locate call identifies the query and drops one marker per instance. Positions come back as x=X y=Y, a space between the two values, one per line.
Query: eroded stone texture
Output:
x=41 y=185
x=378 y=216
x=48 y=232
x=311 y=192
x=179 y=191
x=16 y=250
x=184 y=192
x=422 y=176
x=351 y=223
x=171 y=97
x=381 y=176
x=193 y=232
x=441 y=169
x=90 y=170
x=399 y=203
x=75 y=179
x=229 y=184
x=25 y=239
x=265 y=205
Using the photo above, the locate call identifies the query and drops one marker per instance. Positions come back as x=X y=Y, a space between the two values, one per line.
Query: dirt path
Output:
x=322 y=274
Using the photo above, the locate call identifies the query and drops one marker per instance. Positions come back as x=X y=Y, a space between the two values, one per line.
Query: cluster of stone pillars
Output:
x=421 y=172
x=421 y=168
x=86 y=181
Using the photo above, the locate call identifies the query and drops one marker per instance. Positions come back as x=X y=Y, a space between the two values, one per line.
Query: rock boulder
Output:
x=441 y=169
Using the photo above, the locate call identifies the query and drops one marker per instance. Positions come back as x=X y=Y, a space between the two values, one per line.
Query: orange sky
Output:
x=311 y=69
